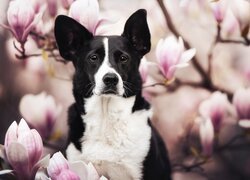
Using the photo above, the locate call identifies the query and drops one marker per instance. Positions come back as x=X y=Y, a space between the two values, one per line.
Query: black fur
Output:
x=86 y=52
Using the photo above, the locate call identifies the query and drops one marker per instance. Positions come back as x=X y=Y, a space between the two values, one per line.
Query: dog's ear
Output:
x=70 y=36
x=137 y=32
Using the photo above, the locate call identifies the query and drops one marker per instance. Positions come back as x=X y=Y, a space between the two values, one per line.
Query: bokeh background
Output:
x=176 y=110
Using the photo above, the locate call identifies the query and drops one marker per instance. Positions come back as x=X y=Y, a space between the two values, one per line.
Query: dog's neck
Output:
x=109 y=105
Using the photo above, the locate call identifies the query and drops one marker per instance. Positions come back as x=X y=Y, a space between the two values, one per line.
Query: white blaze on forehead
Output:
x=105 y=68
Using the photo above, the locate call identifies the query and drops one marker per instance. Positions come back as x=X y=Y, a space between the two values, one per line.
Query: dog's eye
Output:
x=93 y=58
x=123 y=58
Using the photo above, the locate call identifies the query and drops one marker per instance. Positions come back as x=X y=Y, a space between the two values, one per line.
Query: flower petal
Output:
x=68 y=175
x=245 y=123
x=92 y=173
x=17 y=156
x=22 y=127
x=32 y=141
x=187 y=55
x=207 y=136
x=80 y=168
x=57 y=164
x=11 y=134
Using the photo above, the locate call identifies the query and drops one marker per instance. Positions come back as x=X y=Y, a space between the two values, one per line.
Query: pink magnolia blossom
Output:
x=171 y=56
x=40 y=111
x=151 y=75
x=230 y=24
x=66 y=3
x=206 y=136
x=23 y=148
x=52 y=7
x=86 y=12
x=241 y=101
x=60 y=169
x=219 y=9
x=37 y=5
x=22 y=18
x=215 y=108
x=241 y=10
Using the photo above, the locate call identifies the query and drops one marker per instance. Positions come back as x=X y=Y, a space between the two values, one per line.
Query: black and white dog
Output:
x=109 y=122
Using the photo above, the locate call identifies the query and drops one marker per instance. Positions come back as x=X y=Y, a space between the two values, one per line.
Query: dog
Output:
x=109 y=123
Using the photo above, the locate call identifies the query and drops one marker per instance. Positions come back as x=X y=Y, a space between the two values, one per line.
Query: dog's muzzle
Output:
x=110 y=81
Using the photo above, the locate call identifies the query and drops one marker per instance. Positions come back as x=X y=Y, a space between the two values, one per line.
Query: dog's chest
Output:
x=116 y=141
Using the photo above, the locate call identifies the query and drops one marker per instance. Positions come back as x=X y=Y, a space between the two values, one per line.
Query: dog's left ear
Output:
x=137 y=32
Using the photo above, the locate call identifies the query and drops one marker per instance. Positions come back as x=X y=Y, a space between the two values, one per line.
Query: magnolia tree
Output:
x=211 y=137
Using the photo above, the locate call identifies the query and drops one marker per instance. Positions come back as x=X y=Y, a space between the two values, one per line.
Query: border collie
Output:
x=109 y=122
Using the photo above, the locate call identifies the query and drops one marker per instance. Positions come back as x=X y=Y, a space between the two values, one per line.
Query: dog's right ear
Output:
x=70 y=36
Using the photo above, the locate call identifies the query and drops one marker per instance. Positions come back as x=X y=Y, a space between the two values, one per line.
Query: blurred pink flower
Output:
x=219 y=9
x=241 y=10
x=52 y=7
x=22 y=18
x=215 y=108
x=23 y=148
x=241 y=101
x=151 y=76
x=60 y=169
x=171 y=56
x=40 y=111
x=37 y=4
x=66 y=3
x=86 y=12
x=230 y=24
x=206 y=136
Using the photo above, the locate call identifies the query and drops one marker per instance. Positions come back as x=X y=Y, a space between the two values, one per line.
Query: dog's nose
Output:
x=110 y=79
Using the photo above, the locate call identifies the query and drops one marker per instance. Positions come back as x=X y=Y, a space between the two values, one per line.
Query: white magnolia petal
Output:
x=22 y=127
x=92 y=173
x=5 y=171
x=17 y=156
x=57 y=164
x=188 y=55
x=80 y=168
x=244 y=123
x=11 y=134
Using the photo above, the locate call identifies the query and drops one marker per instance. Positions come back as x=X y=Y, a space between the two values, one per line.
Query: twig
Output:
x=230 y=142
x=188 y=168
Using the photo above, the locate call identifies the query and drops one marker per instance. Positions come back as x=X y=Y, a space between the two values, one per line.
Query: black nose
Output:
x=110 y=79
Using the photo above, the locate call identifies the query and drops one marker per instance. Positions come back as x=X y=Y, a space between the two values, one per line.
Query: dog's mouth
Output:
x=110 y=90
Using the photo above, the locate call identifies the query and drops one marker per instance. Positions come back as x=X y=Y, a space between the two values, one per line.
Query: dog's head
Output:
x=104 y=64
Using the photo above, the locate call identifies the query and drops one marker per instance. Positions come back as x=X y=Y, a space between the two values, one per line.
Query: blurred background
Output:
x=175 y=111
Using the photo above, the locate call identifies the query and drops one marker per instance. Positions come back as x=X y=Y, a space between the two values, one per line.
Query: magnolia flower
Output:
x=151 y=75
x=230 y=24
x=171 y=55
x=60 y=169
x=52 y=7
x=241 y=10
x=241 y=100
x=37 y=4
x=86 y=12
x=23 y=148
x=219 y=10
x=206 y=136
x=215 y=108
x=40 y=111
x=66 y=3
x=22 y=18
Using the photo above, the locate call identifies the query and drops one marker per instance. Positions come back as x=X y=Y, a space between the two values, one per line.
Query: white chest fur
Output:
x=116 y=141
